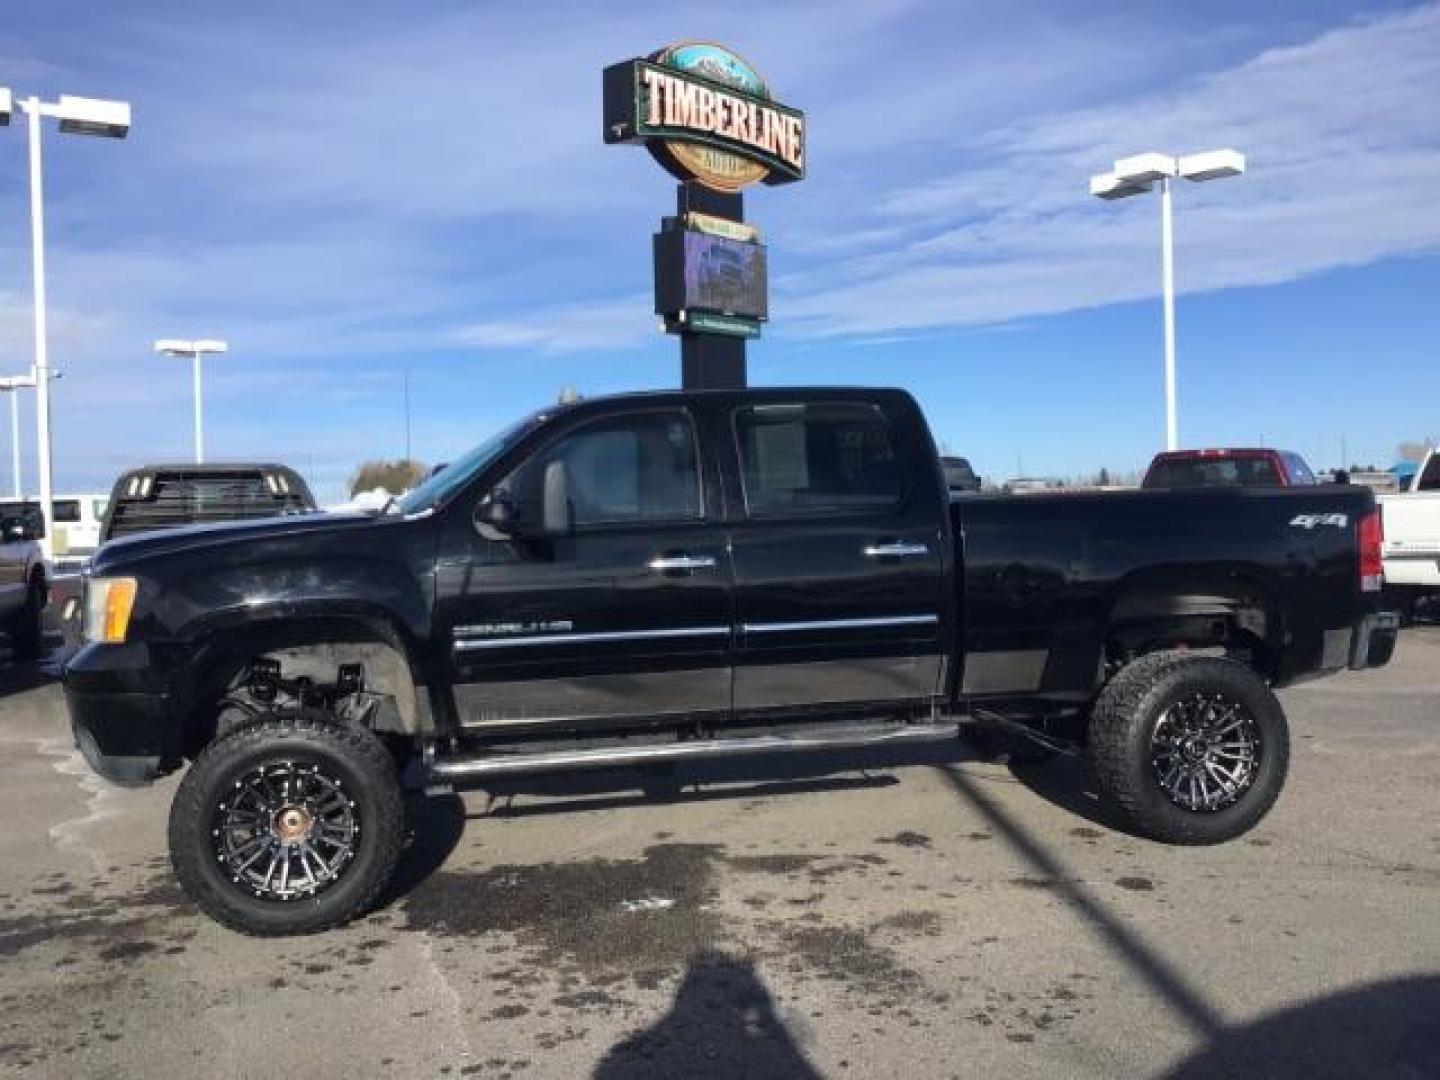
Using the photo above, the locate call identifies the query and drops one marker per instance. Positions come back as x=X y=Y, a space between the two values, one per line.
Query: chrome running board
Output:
x=480 y=766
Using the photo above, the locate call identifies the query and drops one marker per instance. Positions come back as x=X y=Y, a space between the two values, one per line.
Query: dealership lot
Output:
x=950 y=917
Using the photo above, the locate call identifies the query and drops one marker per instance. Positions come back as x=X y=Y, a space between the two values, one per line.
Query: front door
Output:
x=620 y=610
x=839 y=568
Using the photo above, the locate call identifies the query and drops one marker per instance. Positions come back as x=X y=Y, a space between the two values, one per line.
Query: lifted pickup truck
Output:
x=665 y=577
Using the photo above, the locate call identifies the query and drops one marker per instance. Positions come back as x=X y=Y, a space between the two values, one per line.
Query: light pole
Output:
x=194 y=350
x=12 y=385
x=1136 y=175
x=76 y=116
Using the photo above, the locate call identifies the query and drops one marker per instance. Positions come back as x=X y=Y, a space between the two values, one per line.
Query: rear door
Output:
x=837 y=548
x=624 y=613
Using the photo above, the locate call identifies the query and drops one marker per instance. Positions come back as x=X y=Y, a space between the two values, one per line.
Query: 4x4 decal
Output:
x=1310 y=521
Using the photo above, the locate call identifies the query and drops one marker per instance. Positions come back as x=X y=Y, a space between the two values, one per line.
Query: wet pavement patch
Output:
x=847 y=955
x=126 y=920
x=906 y=838
x=1136 y=884
x=591 y=915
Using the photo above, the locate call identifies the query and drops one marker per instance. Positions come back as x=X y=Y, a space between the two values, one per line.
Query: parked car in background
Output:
x=1228 y=467
x=155 y=497
x=77 y=521
x=24 y=583
x=1412 y=538
x=959 y=476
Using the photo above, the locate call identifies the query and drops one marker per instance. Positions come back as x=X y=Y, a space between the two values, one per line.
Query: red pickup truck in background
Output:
x=1228 y=467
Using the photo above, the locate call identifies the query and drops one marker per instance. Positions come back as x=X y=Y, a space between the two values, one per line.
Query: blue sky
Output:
x=348 y=192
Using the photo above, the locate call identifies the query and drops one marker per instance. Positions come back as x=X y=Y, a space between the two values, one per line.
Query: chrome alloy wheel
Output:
x=286 y=830
x=1205 y=752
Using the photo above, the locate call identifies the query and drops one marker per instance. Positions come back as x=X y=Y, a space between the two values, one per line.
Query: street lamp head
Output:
x=1212 y=165
x=92 y=116
x=1145 y=168
x=179 y=347
x=7 y=105
x=1109 y=186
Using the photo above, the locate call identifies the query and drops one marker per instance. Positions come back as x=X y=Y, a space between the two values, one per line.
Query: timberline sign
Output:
x=705 y=114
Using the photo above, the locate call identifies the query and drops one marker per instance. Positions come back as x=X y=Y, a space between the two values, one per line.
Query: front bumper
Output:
x=1373 y=641
x=125 y=728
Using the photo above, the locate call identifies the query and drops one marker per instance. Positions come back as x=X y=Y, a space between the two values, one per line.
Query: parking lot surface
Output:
x=940 y=916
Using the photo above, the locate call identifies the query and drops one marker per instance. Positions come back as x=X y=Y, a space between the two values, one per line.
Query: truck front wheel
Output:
x=1194 y=749
x=289 y=825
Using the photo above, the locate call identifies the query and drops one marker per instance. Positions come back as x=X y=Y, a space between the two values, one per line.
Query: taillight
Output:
x=1370 y=537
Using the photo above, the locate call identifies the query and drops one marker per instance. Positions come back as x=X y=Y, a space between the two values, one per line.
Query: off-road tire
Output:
x=1123 y=723
x=355 y=756
x=26 y=627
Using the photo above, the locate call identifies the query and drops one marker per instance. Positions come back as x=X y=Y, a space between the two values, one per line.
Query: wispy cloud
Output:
x=1344 y=163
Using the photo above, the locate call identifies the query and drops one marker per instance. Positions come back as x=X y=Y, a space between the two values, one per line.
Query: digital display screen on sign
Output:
x=698 y=271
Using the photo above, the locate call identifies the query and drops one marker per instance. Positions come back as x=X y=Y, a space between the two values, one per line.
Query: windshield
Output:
x=441 y=485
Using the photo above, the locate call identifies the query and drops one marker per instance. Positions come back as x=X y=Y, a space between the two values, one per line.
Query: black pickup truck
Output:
x=654 y=578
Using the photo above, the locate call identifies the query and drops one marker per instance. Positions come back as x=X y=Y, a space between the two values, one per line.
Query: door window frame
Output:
x=702 y=515
x=896 y=505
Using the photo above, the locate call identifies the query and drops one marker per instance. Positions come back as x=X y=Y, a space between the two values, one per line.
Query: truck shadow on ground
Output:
x=1067 y=782
x=437 y=823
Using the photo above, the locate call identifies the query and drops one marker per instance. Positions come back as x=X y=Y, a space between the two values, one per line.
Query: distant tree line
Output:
x=392 y=476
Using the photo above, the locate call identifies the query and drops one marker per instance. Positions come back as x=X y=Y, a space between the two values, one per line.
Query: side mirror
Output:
x=556 y=498
x=495 y=517
x=14 y=531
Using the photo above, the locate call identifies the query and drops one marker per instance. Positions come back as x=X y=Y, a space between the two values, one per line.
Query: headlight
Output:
x=108 y=602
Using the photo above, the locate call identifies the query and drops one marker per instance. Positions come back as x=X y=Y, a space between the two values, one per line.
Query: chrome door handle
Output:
x=894 y=550
x=664 y=563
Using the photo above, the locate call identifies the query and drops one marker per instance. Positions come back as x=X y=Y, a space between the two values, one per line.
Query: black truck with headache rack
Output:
x=664 y=577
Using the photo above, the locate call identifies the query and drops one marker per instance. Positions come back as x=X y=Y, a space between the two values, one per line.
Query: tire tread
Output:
x=1117 y=710
x=189 y=807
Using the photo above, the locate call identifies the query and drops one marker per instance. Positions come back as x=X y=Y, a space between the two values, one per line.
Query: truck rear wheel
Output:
x=1194 y=749
x=289 y=825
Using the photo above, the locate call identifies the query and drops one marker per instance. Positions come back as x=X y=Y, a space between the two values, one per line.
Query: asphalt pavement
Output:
x=940 y=915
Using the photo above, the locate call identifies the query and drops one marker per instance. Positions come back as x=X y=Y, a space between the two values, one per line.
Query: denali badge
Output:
x=1310 y=521
x=499 y=629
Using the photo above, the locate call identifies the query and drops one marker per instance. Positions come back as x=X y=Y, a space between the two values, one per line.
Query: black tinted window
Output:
x=1213 y=472
x=1430 y=478
x=629 y=469
x=816 y=457
x=1299 y=471
x=65 y=510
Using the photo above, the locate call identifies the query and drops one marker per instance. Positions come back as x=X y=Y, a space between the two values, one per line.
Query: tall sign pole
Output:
x=708 y=117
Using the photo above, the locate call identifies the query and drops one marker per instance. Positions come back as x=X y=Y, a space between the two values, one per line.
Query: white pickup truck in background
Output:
x=1412 y=538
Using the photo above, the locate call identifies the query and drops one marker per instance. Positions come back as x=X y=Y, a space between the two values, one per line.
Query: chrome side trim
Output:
x=899 y=550
x=1004 y=671
x=598 y=636
x=840 y=624
x=662 y=563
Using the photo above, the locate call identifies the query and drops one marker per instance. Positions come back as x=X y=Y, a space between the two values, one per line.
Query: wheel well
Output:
x=314 y=649
x=1231 y=616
